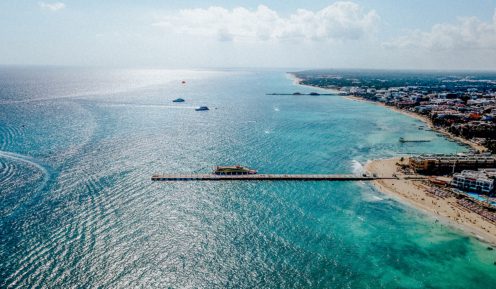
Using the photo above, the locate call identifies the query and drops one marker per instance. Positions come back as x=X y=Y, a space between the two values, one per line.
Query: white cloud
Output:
x=467 y=33
x=55 y=6
x=339 y=21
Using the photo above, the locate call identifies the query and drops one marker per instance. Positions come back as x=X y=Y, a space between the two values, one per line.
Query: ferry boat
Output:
x=201 y=108
x=234 y=170
x=178 y=100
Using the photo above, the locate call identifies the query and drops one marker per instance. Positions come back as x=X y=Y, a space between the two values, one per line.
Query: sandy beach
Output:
x=297 y=81
x=415 y=193
x=425 y=119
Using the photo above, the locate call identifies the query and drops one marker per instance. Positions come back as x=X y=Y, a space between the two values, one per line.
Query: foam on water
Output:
x=372 y=196
x=357 y=168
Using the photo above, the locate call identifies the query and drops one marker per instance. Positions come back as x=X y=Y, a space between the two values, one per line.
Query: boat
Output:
x=403 y=140
x=178 y=100
x=233 y=170
x=201 y=108
x=314 y=93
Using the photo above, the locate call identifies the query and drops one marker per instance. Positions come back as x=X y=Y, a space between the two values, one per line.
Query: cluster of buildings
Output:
x=474 y=173
x=463 y=110
x=465 y=106
x=481 y=181
x=468 y=113
x=449 y=164
x=462 y=105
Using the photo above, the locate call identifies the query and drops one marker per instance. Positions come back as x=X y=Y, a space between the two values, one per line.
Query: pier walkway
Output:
x=296 y=94
x=271 y=177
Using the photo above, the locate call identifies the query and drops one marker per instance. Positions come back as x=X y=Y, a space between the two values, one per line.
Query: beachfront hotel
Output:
x=482 y=181
x=447 y=164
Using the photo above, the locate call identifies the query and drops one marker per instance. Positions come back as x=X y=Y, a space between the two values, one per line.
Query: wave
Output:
x=376 y=198
x=372 y=197
x=79 y=238
x=7 y=136
x=26 y=160
x=7 y=172
x=357 y=168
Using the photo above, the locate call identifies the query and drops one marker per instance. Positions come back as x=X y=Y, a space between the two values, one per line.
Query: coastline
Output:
x=415 y=193
x=444 y=209
x=426 y=120
x=297 y=81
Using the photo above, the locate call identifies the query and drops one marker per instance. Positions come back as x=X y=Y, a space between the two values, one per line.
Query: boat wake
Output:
x=8 y=135
x=7 y=174
x=22 y=158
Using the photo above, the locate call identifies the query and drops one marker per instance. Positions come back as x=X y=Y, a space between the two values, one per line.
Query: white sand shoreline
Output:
x=415 y=195
x=422 y=118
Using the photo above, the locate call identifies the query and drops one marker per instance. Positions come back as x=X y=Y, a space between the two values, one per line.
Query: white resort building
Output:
x=481 y=181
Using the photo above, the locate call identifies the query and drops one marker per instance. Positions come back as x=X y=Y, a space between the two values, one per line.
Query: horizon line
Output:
x=286 y=69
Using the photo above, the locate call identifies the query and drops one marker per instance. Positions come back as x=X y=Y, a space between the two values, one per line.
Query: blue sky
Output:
x=415 y=34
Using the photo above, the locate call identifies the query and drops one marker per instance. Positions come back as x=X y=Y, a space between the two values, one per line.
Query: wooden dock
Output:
x=266 y=177
x=297 y=94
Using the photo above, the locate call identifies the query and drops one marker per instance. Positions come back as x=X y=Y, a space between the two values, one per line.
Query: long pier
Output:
x=297 y=93
x=267 y=177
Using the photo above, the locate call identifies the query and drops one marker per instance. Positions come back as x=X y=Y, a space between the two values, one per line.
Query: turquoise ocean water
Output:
x=78 y=209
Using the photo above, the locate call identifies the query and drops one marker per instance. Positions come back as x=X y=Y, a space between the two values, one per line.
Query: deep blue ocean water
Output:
x=78 y=209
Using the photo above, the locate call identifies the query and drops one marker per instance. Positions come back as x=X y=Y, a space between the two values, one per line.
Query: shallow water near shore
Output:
x=78 y=148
